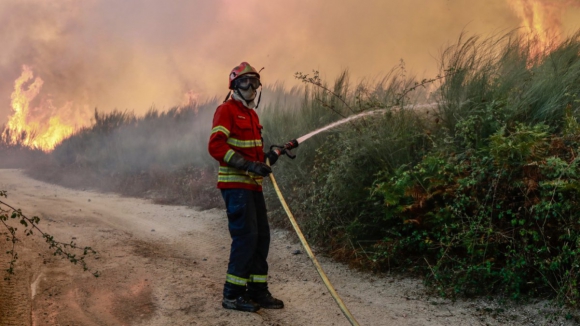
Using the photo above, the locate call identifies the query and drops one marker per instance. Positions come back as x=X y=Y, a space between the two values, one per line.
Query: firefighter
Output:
x=236 y=143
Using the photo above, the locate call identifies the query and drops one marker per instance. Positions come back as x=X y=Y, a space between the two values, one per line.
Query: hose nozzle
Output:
x=291 y=144
x=285 y=149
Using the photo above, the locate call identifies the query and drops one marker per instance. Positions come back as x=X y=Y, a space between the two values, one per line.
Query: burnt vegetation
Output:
x=469 y=179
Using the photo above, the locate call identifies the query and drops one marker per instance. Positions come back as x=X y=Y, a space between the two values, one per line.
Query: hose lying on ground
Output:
x=331 y=289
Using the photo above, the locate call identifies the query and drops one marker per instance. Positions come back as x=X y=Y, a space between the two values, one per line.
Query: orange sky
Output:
x=132 y=54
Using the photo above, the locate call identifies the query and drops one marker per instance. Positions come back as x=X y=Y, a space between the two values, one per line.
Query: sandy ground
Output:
x=165 y=265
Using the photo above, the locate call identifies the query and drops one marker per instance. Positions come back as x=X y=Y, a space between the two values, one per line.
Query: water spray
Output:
x=337 y=123
x=286 y=148
x=295 y=142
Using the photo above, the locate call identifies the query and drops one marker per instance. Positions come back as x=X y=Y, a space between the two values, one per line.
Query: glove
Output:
x=271 y=156
x=239 y=162
x=259 y=168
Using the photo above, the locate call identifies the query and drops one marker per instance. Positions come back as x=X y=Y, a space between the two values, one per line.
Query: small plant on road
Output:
x=10 y=216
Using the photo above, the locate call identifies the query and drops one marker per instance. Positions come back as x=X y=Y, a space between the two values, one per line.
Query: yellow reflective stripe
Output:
x=236 y=280
x=245 y=143
x=230 y=174
x=229 y=155
x=258 y=278
x=240 y=179
x=230 y=170
x=222 y=129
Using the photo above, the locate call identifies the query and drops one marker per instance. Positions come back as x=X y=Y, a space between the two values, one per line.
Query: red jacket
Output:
x=236 y=129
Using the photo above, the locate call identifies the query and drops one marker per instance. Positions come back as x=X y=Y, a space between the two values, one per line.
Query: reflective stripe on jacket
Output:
x=236 y=128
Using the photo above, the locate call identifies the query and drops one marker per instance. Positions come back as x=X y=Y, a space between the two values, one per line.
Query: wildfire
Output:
x=541 y=20
x=44 y=129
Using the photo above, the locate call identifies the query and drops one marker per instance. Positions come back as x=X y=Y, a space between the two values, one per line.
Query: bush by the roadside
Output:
x=502 y=218
x=493 y=206
x=477 y=195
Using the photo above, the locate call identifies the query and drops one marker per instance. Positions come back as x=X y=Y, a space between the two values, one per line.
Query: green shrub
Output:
x=491 y=206
x=502 y=218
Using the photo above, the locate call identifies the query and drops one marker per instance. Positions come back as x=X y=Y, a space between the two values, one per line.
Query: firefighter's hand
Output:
x=259 y=168
x=239 y=162
x=271 y=156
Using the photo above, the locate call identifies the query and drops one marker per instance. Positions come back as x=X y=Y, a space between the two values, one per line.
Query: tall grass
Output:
x=329 y=178
x=496 y=81
x=160 y=155
x=471 y=197
x=123 y=143
x=489 y=208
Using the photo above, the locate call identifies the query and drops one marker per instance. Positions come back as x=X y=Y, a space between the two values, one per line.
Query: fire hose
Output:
x=285 y=149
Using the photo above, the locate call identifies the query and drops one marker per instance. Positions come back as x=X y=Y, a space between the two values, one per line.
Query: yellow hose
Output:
x=338 y=300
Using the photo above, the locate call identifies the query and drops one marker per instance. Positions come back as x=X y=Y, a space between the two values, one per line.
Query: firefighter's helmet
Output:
x=244 y=76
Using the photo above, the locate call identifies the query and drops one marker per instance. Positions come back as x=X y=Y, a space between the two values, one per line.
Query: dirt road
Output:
x=165 y=265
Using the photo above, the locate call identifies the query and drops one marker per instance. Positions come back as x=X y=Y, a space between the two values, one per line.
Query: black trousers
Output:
x=250 y=232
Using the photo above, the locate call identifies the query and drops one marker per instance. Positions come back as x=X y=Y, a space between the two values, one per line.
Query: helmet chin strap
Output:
x=259 y=98
x=228 y=96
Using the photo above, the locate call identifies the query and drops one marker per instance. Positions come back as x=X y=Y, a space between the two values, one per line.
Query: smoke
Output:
x=134 y=54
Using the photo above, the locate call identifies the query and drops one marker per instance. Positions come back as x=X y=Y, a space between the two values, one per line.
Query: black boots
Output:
x=260 y=294
x=252 y=304
x=242 y=303
x=250 y=298
x=267 y=301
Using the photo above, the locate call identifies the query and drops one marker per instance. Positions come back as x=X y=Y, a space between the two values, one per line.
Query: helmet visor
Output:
x=245 y=82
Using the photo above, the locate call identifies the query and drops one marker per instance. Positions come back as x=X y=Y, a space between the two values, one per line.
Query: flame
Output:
x=190 y=99
x=42 y=130
x=541 y=21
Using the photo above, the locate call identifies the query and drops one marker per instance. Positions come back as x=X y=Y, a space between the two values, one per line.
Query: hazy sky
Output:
x=133 y=54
